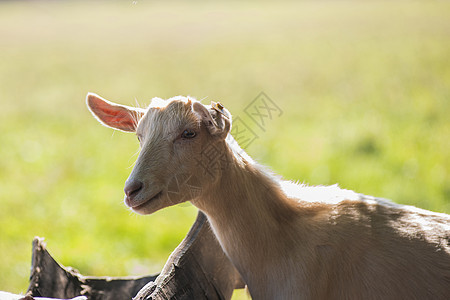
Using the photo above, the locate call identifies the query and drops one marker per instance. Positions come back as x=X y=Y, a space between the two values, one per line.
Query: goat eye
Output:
x=139 y=138
x=188 y=134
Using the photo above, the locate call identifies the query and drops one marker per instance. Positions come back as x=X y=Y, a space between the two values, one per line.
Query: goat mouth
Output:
x=157 y=196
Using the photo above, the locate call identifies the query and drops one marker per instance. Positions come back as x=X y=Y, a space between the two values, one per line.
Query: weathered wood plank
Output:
x=9 y=296
x=197 y=269
x=49 y=279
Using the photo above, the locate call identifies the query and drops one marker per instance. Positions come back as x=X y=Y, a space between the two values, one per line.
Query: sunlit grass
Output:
x=364 y=88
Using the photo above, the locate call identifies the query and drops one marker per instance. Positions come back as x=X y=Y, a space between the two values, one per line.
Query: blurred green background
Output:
x=364 y=88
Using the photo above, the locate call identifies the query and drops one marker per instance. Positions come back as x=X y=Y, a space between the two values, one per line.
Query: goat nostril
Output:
x=132 y=188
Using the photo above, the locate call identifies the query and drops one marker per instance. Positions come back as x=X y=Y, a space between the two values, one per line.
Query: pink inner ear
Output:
x=117 y=118
x=113 y=115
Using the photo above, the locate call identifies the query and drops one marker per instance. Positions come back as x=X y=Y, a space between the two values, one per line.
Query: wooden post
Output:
x=197 y=269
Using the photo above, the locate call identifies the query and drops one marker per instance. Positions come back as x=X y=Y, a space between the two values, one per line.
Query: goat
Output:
x=288 y=241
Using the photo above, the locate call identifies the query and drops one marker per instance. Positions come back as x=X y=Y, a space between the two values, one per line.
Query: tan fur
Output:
x=289 y=241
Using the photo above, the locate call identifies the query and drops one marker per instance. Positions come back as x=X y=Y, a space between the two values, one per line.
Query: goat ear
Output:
x=113 y=115
x=218 y=124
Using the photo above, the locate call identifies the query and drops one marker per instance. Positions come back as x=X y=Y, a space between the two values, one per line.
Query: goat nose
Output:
x=132 y=188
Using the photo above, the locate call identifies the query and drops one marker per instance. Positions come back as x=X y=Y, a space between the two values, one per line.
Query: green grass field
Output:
x=364 y=88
